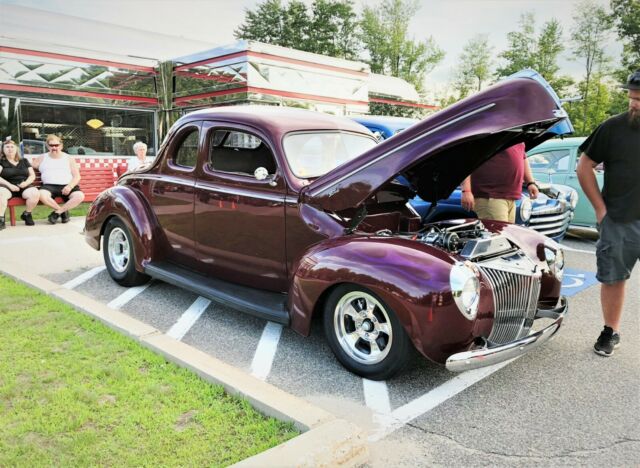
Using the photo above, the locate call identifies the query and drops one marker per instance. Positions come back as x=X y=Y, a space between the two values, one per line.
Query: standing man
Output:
x=616 y=143
x=493 y=188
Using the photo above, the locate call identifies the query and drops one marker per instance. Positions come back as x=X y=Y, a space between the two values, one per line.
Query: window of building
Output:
x=89 y=131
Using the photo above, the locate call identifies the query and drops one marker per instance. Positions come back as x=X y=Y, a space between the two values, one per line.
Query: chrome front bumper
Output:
x=483 y=357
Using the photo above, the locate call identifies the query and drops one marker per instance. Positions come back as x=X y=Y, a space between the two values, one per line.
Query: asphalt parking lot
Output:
x=561 y=405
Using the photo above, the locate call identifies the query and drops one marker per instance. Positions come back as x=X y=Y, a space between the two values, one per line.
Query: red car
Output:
x=286 y=214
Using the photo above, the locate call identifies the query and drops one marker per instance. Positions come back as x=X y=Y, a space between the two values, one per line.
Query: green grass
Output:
x=41 y=211
x=75 y=393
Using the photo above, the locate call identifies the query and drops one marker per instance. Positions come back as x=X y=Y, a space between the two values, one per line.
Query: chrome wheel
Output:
x=119 y=250
x=362 y=327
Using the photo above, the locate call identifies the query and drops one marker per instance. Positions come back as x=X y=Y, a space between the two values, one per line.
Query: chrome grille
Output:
x=515 y=298
x=551 y=223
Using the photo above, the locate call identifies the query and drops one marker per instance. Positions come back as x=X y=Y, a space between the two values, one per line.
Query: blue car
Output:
x=549 y=214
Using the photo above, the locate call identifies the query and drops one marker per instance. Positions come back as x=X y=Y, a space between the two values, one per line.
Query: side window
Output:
x=239 y=152
x=187 y=154
x=557 y=160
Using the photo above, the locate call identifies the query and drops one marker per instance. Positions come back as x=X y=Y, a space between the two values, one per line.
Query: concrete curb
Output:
x=326 y=440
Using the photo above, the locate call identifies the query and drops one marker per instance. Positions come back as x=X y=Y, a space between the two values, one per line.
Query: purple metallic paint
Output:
x=250 y=232
x=470 y=132
x=128 y=205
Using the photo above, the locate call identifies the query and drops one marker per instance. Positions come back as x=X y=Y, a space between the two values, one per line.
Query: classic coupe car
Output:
x=555 y=161
x=288 y=214
x=550 y=213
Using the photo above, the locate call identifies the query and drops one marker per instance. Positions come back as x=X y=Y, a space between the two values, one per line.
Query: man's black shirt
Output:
x=616 y=144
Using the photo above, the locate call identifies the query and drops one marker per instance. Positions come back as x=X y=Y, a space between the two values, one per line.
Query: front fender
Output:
x=410 y=277
x=130 y=206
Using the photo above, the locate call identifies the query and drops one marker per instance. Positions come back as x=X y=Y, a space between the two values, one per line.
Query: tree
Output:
x=330 y=28
x=475 y=64
x=540 y=53
x=265 y=24
x=626 y=17
x=592 y=26
x=601 y=104
x=522 y=45
x=333 y=29
x=549 y=46
x=385 y=38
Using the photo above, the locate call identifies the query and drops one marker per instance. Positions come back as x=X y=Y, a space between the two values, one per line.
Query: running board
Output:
x=259 y=303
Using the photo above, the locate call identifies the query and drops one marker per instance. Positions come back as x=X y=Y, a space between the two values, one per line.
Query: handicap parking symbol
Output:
x=575 y=281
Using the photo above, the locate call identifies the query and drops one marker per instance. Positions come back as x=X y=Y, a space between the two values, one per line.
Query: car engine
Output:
x=469 y=239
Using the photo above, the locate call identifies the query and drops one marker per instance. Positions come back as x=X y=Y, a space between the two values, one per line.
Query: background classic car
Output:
x=555 y=161
x=286 y=214
x=550 y=213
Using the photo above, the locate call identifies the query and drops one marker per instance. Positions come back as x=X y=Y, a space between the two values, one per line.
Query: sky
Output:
x=451 y=23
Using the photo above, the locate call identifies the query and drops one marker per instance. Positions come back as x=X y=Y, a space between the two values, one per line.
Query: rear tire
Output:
x=119 y=256
x=364 y=333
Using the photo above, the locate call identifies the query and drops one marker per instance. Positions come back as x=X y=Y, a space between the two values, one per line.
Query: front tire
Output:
x=364 y=333
x=119 y=257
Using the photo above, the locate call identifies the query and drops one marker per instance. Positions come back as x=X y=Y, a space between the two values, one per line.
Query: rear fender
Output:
x=130 y=206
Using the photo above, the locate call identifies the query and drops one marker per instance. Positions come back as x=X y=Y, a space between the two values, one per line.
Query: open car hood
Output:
x=436 y=154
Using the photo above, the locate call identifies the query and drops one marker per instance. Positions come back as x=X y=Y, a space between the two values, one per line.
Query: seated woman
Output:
x=16 y=177
x=60 y=177
x=140 y=161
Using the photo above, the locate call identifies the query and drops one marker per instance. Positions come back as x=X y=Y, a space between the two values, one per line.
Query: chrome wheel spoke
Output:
x=371 y=306
x=357 y=323
x=375 y=350
x=384 y=328
x=350 y=311
x=119 y=250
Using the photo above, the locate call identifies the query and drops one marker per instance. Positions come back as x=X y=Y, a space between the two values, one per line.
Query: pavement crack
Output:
x=566 y=454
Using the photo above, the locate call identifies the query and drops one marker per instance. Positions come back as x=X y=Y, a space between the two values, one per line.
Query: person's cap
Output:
x=633 y=82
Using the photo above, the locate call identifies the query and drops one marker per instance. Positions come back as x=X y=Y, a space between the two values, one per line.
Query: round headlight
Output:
x=573 y=199
x=525 y=209
x=465 y=288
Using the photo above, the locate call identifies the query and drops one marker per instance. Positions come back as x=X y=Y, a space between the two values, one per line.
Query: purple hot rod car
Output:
x=289 y=214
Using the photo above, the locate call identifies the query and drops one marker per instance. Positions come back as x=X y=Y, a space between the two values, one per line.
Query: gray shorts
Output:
x=617 y=250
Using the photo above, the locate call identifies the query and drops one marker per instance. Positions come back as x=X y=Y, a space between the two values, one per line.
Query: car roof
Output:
x=277 y=120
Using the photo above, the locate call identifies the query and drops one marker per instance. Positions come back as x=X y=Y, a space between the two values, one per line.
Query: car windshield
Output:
x=313 y=154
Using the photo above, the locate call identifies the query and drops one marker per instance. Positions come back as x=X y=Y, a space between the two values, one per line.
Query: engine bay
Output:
x=469 y=239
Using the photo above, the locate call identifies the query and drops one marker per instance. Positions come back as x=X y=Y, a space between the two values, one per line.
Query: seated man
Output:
x=60 y=177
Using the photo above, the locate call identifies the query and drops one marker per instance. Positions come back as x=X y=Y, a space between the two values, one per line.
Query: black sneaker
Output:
x=2 y=223
x=64 y=217
x=53 y=217
x=607 y=342
x=26 y=217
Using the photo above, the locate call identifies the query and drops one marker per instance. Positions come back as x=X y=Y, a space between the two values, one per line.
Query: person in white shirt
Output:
x=140 y=161
x=60 y=178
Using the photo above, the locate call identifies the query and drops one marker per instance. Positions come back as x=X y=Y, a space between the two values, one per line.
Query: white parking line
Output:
x=376 y=396
x=430 y=400
x=266 y=350
x=126 y=296
x=87 y=275
x=571 y=249
x=190 y=316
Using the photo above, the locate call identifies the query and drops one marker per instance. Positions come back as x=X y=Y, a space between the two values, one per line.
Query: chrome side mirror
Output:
x=261 y=173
